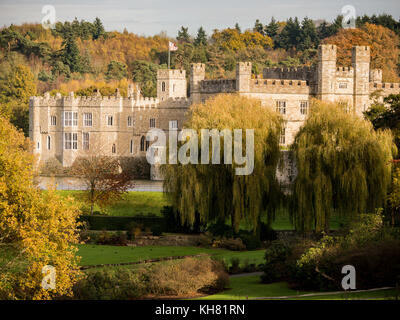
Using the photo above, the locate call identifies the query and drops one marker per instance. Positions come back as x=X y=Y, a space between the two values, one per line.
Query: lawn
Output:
x=133 y=203
x=151 y=203
x=100 y=254
x=250 y=287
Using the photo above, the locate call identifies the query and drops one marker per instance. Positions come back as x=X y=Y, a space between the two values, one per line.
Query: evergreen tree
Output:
x=183 y=35
x=290 y=36
x=201 y=38
x=98 y=29
x=309 y=37
x=70 y=55
x=238 y=29
x=258 y=27
x=271 y=30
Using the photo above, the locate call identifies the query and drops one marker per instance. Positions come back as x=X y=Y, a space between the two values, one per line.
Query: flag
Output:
x=172 y=46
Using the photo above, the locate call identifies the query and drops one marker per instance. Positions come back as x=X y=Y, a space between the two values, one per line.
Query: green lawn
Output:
x=250 y=287
x=134 y=203
x=99 y=254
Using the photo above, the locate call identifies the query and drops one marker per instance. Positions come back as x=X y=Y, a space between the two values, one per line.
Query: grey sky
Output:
x=149 y=17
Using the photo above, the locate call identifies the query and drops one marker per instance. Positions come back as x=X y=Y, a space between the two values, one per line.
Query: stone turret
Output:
x=171 y=83
x=243 y=76
x=360 y=60
x=326 y=72
x=197 y=74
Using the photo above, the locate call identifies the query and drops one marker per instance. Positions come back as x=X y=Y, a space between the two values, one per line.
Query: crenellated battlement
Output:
x=279 y=86
x=384 y=85
x=344 y=72
x=218 y=86
x=171 y=73
x=301 y=73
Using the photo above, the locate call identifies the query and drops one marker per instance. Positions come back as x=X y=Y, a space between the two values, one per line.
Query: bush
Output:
x=174 y=224
x=180 y=277
x=267 y=233
x=111 y=223
x=220 y=229
x=275 y=267
x=230 y=244
x=235 y=266
x=156 y=230
x=107 y=238
x=373 y=250
x=251 y=241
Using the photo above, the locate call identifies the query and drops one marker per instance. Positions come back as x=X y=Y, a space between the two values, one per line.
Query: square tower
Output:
x=326 y=72
x=360 y=60
x=197 y=74
x=171 y=83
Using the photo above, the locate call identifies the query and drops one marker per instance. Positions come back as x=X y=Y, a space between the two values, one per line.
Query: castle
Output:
x=62 y=127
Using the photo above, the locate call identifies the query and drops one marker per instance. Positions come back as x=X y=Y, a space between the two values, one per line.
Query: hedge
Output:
x=112 y=223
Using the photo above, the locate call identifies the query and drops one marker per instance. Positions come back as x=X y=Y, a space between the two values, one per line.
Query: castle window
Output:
x=87 y=119
x=152 y=123
x=70 y=141
x=48 y=142
x=147 y=145
x=70 y=119
x=142 y=143
x=342 y=85
x=281 y=107
x=114 y=148
x=130 y=121
x=163 y=86
x=53 y=120
x=38 y=145
x=131 y=147
x=173 y=87
x=282 y=136
x=303 y=107
x=110 y=120
x=85 y=140
x=173 y=124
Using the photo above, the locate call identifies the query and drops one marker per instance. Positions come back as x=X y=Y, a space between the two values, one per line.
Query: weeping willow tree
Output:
x=343 y=166
x=214 y=192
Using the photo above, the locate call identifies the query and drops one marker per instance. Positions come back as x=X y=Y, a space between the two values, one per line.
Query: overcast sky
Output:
x=149 y=17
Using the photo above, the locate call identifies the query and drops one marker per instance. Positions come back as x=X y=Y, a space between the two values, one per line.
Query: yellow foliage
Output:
x=38 y=226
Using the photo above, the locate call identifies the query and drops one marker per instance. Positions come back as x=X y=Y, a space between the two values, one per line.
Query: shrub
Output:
x=107 y=238
x=156 y=230
x=267 y=233
x=220 y=229
x=230 y=244
x=235 y=265
x=369 y=247
x=275 y=267
x=251 y=241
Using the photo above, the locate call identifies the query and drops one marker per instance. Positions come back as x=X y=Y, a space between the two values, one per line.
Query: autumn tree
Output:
x=213 y=191
x=384 y=45
x=17 y=84
x=37 y=228
x=104 y=179
x=343 y=164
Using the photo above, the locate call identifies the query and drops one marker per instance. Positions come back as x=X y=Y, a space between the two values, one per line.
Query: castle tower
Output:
x=34 y=125
x=197 y=74
x=243 y=76
x=171 y=83
x=360 y=60
x=326 y=72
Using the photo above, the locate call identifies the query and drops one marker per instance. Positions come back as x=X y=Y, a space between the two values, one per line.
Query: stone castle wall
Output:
x=289 y=88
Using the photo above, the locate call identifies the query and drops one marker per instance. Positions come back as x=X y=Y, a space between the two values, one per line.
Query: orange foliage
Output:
x=384 y=47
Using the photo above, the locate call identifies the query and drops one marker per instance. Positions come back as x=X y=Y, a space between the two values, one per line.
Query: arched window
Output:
x=114 y=148
x=147 y=145
x=48 y=142
x=131 y=146
x=142 y=142
x=163 y=86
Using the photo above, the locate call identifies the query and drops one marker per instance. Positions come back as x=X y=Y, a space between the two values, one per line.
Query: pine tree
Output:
x=201 y=38
x=183 y=35
x=98 y=29
x=258 y=27
x=271 y=30
x=238 y=29
x=70 y=54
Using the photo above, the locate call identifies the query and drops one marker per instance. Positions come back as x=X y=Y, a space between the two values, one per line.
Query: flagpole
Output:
x=169 y=57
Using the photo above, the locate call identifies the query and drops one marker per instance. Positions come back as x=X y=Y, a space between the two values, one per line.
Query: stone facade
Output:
x=62 y=127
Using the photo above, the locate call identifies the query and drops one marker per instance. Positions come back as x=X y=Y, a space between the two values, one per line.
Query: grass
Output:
x=133 y=203
x=151 y=203
x=100 y=254
x=250 y=287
